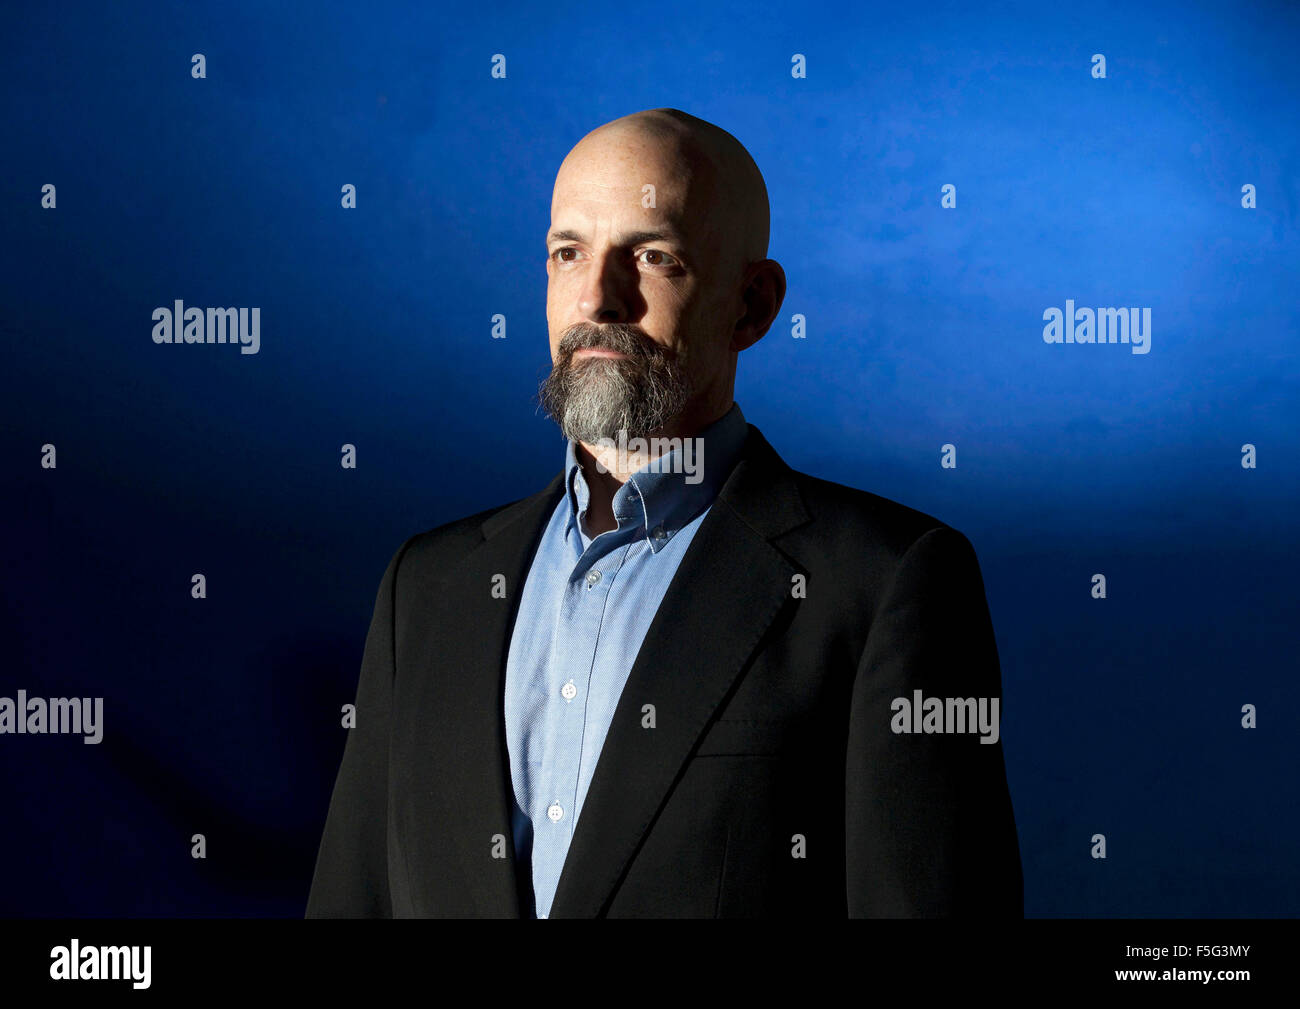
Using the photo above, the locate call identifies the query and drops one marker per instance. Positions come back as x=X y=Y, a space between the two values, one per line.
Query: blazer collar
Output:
x=730 y=585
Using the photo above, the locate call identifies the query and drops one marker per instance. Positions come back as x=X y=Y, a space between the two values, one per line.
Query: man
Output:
x=683 y=680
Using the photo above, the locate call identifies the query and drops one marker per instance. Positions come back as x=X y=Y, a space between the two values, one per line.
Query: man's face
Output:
x=635 y=304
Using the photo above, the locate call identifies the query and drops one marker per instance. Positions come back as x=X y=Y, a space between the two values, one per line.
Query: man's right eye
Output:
x=559 y=254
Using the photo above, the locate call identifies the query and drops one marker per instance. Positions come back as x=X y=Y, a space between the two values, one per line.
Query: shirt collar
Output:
x=659 y=499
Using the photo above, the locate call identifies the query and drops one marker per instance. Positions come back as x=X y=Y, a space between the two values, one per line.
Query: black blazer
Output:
x=771 y=783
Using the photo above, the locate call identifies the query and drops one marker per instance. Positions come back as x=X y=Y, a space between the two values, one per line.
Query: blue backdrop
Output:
x=1123 y=715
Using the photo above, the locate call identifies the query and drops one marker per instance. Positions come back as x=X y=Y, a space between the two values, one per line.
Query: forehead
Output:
x=603 y=182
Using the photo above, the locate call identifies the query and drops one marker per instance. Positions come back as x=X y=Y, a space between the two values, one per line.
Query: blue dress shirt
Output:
x=586 y=606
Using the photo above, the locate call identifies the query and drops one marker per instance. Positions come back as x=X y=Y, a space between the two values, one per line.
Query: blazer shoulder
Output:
x=432 y=551
x=854 y=518
x=450 y=539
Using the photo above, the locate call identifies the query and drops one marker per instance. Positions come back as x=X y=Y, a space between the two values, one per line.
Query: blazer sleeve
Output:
x=929 y=825
x=351 y=877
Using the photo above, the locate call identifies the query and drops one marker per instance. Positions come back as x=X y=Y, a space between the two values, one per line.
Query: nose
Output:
x=604 y=296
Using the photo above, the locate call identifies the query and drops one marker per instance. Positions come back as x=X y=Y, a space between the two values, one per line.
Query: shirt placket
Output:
x=573 y=660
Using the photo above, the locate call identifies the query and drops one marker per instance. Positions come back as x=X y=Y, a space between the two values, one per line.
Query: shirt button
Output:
x=569 y=691
x=658 y=532
x=593 y=577
x=555 y=811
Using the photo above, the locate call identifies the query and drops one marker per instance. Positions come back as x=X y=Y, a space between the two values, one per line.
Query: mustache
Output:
x=622 y=338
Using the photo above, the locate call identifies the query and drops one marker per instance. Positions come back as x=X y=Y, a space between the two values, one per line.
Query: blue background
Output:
x=1121 y=716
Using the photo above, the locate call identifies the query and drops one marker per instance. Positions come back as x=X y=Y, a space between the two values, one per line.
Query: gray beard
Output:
x=599 y=397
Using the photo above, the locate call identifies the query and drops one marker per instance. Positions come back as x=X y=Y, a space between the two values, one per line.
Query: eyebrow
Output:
x=627 y=238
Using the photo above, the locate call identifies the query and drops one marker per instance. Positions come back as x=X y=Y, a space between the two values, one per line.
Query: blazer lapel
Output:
x=461 y=712
x=730 y=585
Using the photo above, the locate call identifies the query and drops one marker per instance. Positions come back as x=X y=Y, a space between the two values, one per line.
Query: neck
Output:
x=608 y=466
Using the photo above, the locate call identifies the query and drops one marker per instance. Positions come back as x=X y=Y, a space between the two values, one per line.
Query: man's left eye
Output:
x=654 y=257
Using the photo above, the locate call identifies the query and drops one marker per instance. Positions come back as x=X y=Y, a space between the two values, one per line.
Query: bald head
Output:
x=721 y=189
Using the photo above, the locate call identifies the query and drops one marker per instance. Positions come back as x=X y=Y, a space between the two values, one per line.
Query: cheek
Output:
x=667 y=312
x=552 y=312
x=561 y=296
x=705 y=351
x=692 y=323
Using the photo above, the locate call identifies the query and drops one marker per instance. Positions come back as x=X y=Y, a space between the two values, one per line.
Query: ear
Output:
x=762 y=295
